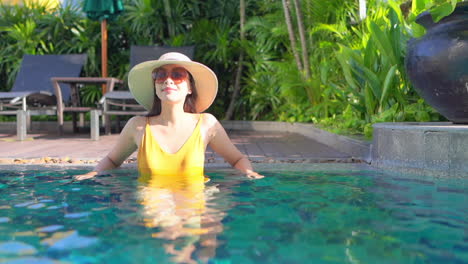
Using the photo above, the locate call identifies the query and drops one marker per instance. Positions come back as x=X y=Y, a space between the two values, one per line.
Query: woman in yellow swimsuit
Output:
x=172 y=139
x=171 y=142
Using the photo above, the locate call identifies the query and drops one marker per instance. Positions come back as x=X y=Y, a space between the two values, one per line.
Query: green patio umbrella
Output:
x=103 y=10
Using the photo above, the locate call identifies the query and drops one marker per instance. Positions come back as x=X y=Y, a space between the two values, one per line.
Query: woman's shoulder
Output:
x=210 y=125
x=209 y=120
x=138 y=119
x=137 y=122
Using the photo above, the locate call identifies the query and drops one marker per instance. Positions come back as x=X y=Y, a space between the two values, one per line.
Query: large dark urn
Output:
x=437 y=63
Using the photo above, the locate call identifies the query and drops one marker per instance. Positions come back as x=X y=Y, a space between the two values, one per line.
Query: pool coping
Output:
x=359 y=150
x=209 y=167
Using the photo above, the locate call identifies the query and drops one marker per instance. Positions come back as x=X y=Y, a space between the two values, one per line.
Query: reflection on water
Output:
x=176 y=208
x=319 y=216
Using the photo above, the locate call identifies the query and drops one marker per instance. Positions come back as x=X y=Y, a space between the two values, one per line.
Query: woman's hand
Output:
x=88 y=175
x=104 y=164
x=254 y=175
x=125 y=147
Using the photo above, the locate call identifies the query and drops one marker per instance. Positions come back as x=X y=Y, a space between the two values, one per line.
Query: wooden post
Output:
x=58 y=94
x=94 y=125
x=104 y=52
x=21 y=116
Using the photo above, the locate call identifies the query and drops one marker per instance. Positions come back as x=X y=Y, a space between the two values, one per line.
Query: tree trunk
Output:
x=167 y=10
x=305 y=51
x=362 y=9
x=292 y=38
x=237 y=86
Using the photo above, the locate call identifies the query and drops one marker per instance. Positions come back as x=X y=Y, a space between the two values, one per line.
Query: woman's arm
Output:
x=124 y=147
x=219 y=141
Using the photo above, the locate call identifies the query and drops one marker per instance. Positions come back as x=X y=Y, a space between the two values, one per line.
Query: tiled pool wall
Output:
x=437 y=148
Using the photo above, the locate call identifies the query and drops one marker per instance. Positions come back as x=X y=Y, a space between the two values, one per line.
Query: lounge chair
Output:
x=32 y=91
x=122 y=102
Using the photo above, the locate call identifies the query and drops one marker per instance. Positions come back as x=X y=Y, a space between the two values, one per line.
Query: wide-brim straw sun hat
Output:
x=141 y=83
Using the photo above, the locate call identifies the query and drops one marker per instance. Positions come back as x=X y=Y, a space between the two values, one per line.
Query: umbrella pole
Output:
x=104 y=52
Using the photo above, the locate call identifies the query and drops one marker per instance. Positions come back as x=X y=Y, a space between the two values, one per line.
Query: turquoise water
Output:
x=307 y=216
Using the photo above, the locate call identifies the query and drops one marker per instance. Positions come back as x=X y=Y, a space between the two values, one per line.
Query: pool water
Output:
x=299 y=216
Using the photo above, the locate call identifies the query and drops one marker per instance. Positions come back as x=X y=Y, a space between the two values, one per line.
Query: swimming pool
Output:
x=330 y=213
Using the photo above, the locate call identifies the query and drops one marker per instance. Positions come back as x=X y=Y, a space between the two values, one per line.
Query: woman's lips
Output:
x=169 y=89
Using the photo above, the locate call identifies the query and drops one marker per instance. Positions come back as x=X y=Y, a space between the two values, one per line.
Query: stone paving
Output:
x=261 y=147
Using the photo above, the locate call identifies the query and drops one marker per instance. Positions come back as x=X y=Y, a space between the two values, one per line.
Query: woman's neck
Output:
x=172 y=114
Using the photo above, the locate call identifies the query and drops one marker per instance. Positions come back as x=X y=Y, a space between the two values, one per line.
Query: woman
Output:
x=172 y=139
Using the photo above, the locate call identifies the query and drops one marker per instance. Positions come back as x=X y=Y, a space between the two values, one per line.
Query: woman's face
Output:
x=171 y=83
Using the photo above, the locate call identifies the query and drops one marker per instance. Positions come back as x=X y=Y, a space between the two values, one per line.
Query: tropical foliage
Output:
x=323 y=64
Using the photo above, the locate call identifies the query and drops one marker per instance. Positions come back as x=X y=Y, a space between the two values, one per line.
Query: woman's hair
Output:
x=189 y=104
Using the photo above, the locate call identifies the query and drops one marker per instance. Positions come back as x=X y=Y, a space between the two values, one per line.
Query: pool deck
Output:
x=260 y=147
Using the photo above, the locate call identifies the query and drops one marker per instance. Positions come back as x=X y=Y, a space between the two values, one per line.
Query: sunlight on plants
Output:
x=356 y=75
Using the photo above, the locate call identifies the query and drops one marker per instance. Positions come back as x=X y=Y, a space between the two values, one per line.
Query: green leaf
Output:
x=419 y=6
x=344 y=59
x=369 y=53
x=383 y=42
x=330 y=28
x=417 y=30
x=369 y=103
x=387 y=83
x=371 y=78
x=442 y=11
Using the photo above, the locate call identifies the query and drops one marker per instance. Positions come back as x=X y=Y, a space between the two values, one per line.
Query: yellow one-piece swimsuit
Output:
x=172 y=188
x=183 y=169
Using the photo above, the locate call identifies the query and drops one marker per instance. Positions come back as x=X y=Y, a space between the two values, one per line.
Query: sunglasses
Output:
x=178 y=75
